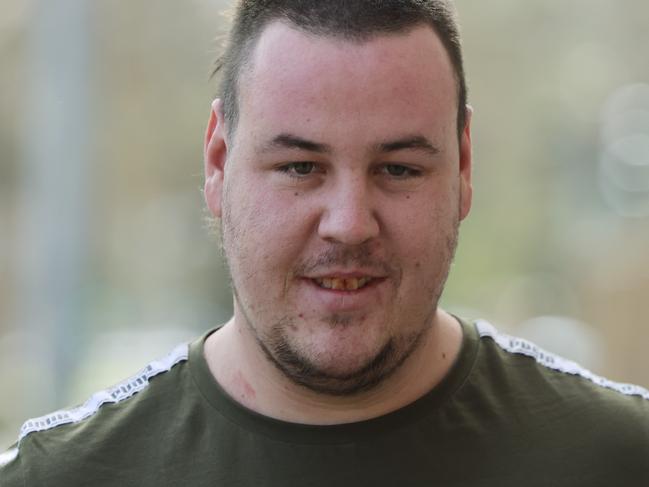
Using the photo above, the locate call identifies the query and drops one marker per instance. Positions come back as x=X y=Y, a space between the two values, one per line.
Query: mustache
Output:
x=338 y=255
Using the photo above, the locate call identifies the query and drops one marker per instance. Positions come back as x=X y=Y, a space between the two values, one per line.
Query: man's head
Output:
x=354 y=21
x=340 y=193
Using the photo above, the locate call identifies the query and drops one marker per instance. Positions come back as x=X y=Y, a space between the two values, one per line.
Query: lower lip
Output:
x=338 y=300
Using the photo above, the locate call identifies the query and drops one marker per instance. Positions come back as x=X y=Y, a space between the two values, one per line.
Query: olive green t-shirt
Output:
x=507 y=414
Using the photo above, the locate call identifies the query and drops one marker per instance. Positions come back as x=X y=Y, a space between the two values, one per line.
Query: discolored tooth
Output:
x=352 y=284
x=342 y=283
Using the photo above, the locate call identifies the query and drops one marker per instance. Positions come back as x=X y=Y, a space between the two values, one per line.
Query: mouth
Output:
x=345 y=292
x=343 y=283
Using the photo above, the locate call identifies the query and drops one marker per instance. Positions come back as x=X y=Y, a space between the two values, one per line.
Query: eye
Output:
x=297 y=169
x=303 y=168
x=400 y=171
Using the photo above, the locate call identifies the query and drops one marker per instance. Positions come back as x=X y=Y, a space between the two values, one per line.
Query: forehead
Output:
x=299 y=75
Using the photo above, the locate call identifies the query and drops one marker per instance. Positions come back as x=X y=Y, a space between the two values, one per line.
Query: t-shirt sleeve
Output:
x=11 y=474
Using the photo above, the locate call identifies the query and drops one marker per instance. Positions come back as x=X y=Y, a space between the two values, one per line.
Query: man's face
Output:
x=340 y=194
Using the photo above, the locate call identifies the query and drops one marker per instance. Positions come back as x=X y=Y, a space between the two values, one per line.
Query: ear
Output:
x=466 y=161
x=215 y=154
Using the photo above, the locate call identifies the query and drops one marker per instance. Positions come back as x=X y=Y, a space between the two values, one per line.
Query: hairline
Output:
x=244 y=63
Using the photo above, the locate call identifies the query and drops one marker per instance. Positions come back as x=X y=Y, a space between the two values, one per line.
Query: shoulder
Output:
x=528 y=357
x=561 y=389
x=56 y=444
x=533 y=404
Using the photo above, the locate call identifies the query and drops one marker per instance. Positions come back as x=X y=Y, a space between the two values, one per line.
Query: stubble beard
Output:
x=302 y=370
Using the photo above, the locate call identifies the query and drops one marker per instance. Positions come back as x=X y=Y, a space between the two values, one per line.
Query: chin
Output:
x=338 y=372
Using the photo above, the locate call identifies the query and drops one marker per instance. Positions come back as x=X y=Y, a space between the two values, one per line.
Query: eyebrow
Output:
x=412 y=142
x=289 y=141
x=416 y=142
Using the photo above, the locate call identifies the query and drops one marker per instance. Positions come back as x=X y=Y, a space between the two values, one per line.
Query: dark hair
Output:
x=353 y=20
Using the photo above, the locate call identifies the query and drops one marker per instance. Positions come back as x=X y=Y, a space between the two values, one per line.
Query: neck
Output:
x=244 y=372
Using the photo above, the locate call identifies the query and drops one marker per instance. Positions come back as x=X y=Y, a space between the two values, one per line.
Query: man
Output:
x=339 y=163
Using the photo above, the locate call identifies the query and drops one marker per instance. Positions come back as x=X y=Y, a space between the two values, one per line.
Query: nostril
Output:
x=349 y=225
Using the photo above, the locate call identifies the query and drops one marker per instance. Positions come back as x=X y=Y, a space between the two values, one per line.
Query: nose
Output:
x=349 y=216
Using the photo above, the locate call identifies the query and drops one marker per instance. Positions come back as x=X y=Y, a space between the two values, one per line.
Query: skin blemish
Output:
x=246 y=391
x=444 y=356
x=417 y=265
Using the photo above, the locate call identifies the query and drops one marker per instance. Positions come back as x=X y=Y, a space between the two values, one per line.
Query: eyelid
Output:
x=410 y=171
x=288 y=168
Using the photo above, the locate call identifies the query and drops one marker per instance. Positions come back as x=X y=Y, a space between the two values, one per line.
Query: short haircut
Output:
x=352 y=20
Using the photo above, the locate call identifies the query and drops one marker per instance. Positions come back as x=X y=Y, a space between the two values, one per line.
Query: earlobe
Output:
x=215 y=155
x=466 y=162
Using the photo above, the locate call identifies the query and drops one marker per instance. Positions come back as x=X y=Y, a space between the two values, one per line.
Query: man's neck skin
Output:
x=244 y=372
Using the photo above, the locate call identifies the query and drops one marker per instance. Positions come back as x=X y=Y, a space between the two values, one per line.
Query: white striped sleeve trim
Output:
x=115 y=394
x=551 y=361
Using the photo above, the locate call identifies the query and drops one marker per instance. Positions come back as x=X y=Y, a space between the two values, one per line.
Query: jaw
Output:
x=335 y=373
x=344 y=354
x=335 y=342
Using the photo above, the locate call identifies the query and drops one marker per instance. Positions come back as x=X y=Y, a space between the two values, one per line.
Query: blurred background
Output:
x=106 y=261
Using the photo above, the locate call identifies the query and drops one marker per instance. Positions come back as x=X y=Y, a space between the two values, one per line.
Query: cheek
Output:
x=417 y=219
x=249 y=203
x=423 y=232
x=266 y=226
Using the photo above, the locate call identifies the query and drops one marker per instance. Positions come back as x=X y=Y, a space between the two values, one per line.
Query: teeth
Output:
x=338 y=284
x=343 y=284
